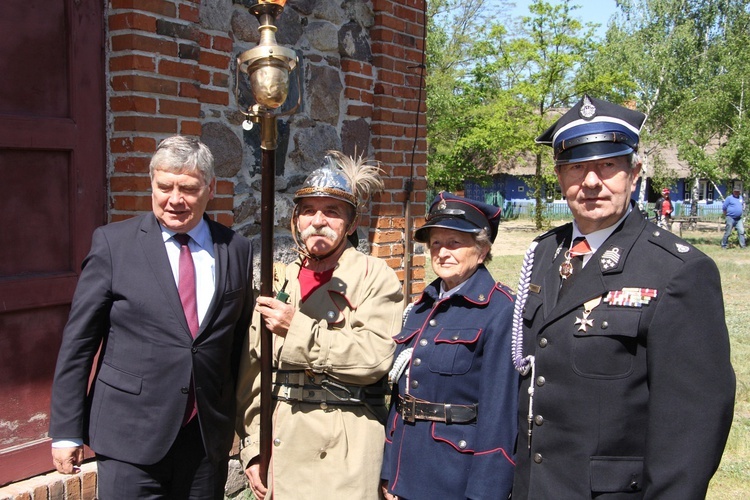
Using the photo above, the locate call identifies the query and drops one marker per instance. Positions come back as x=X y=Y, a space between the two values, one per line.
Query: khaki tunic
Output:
x=343 y=330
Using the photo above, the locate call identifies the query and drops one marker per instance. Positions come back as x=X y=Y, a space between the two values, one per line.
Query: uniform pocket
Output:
x=607 y=347
x=616 y=474
x=461 y=437
x=453 y=351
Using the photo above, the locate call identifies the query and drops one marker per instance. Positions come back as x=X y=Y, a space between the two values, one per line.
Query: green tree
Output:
x=687 y=60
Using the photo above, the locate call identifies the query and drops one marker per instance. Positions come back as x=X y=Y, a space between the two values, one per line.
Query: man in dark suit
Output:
x=167 y=297
x=619 y=331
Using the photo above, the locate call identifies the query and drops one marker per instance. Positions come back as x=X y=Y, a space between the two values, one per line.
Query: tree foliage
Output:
x=495 y=83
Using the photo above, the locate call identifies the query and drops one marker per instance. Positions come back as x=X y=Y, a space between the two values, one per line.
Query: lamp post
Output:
x=267 y=66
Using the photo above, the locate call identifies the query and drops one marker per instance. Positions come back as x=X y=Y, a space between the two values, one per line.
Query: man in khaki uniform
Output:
x=332 y=349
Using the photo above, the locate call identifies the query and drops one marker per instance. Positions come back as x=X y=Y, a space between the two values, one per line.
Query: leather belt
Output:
x=412 y=409
x=301 y=386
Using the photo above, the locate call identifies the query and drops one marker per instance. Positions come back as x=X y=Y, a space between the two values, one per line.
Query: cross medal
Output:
x=584 y=321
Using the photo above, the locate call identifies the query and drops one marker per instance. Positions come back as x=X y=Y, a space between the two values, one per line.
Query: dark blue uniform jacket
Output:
x=461 y=356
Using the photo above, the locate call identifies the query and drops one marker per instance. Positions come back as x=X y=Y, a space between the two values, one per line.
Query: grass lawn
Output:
x=732 y=480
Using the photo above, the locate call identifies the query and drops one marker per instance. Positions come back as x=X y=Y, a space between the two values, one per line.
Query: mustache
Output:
x=325 y=232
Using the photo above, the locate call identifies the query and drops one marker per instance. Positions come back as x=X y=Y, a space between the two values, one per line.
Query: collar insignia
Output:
x=610 y=258
x=682 y=248
x=630 y=297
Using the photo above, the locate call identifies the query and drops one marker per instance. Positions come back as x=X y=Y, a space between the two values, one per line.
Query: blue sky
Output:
x=593 y=11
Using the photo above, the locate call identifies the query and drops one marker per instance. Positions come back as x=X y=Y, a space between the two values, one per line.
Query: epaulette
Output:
x=672 y=243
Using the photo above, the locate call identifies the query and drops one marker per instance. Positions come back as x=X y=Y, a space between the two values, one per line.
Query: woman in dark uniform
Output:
x=451 y=428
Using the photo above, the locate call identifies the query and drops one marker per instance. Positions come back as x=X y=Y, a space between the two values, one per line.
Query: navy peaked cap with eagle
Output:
x=460 y=214
x=594 y=129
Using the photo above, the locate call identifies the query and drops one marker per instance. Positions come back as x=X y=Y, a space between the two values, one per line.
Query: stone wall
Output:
x=172 y=69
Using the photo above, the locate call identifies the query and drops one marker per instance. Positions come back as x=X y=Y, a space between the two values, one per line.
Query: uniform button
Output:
x=184 y=390
x=417 y=361
x=538 y=420
x=540 y=381
x=634 y=485
x=454 y=337
x=331 y=315
x=542 y=342
x=323 y=406
x=433 y=322
x=538 y=458
x=414 y=384
x=276 y=442
x=194 y=349
x=605 y=325
x=423 y=342
x=462 y=444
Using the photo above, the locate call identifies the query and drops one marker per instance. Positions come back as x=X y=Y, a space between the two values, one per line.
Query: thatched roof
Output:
x=525 y=164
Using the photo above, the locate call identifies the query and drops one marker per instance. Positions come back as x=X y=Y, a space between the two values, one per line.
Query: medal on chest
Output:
x=566 y=268
x=584 y=322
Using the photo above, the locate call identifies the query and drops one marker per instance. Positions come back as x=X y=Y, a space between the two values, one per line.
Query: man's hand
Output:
x=67 y=460
x=276 y=314
x=253 y=477
x=384 y=491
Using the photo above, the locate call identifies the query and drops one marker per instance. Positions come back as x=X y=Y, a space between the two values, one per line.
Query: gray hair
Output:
x=181 y=154
x=482 y=240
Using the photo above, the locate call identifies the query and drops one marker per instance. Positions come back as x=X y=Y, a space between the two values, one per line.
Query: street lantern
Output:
x=267 y=66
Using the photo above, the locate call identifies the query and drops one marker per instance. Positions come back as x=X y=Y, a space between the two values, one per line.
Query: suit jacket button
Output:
x=634 y=485
x=184 y=390
x=538 y=458
x=194 y=349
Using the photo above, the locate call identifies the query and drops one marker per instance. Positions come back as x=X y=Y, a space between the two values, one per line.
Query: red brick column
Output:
x=164 y=72
x=398 y=106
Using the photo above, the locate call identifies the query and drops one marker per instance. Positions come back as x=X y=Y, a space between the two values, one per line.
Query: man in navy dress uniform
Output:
x=619 y=331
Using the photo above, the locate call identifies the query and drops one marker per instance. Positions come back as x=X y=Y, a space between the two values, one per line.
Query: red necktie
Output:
x=186 y=285
x=186 y=289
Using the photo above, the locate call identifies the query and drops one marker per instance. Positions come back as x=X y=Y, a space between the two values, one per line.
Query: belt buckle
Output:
x=408 y=408
x=285 y=392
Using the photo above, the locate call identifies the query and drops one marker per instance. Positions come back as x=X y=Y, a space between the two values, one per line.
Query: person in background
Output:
x=167 y=297
x=451 y=428
x=732 y=209
x=664 y=208
x=619 y=333
x=333 y=347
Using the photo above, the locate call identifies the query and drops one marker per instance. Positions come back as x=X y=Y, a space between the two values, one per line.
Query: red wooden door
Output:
x=52 y=196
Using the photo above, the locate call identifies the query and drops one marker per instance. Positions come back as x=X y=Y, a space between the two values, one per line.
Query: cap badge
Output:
x=442 y=205
x=588 y=110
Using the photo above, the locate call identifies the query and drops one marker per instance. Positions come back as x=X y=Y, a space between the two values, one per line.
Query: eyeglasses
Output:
x=603 y=169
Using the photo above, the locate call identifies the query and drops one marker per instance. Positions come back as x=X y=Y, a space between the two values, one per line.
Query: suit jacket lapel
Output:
x=153 y=247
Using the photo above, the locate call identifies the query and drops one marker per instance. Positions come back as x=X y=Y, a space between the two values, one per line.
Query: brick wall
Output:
x=171 y=70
